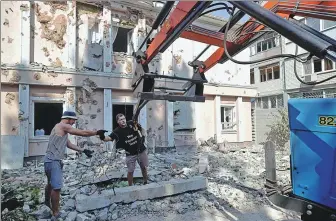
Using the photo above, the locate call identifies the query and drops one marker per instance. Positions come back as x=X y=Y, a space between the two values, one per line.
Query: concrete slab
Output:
x=134 y=193
x=118 y=174
x=12 y=152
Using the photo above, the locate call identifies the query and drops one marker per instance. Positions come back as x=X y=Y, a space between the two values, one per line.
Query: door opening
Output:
x=127 y=110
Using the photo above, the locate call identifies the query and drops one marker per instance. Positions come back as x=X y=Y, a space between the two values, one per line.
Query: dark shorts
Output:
x=141 y=158
x=54 y=172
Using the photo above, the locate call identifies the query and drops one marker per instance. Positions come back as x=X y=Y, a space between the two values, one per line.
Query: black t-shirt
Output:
x=128 y=138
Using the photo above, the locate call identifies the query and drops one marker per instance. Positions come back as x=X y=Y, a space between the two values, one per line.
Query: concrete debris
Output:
x=235 y=183
x=203 y=163
x=134 y=193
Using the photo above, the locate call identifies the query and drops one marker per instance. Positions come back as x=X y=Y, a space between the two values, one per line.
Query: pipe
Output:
x=201 y=6
x=236 y=17
x=162 y=16
x=295 y=33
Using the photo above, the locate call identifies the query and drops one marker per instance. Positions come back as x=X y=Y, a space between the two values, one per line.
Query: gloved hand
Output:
x=88 y=153
x=101 y=135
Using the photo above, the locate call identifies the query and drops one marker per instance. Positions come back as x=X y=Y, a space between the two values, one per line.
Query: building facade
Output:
x=77 y=56
x=276 y=81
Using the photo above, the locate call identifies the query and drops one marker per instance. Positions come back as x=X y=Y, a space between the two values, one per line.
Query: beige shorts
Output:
x=142 y=159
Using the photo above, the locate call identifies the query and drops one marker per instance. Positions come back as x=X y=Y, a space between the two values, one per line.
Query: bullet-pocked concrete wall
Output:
x=11 y=32
x=61 y=36
x=205 y=119
x=10 y=110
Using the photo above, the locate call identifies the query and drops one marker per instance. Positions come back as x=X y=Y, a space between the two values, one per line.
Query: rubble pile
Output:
x=236 y=178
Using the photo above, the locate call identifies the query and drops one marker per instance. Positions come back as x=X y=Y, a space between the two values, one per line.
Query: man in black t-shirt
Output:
x=130 y=137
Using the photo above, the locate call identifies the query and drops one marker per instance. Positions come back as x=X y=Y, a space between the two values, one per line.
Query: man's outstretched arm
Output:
x=74 y=147
x=84 y=133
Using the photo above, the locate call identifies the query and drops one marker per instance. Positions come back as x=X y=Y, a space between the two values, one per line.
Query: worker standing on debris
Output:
x=53 y=166
x=130 y=136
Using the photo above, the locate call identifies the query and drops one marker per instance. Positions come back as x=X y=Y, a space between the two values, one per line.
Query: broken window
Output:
x=227 y=117
x=46 y=116
x=122 y=40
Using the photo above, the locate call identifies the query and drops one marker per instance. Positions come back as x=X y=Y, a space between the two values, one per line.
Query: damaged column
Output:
x=24 y=116
x=170 y=123
x=108 y=113
x=106 y=30
x=70 y=105
x=25 y=33
x=218 y=125
x=72 y=35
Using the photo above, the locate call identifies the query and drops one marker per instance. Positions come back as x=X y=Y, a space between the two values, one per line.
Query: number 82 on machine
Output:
x=327 y=120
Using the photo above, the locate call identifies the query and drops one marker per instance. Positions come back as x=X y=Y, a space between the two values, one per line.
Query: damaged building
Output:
x=77 y=55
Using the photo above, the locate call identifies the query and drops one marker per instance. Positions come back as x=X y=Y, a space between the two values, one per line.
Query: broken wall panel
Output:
x=11 y=32
x=205 y=118
x=157 y=121
x=89 y=49
x=89 y=109
x=50 y=33
x=10 y=110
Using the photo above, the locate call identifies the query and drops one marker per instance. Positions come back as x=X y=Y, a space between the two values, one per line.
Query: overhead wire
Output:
x=295 y=57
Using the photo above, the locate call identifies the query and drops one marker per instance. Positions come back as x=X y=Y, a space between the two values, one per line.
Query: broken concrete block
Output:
x=203 y=163
x=134 y=193
x=118 y=174
x=82 y=217
x=71 y=216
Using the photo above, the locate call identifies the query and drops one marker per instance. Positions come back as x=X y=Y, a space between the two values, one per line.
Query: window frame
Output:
x=34 y=100
x=129 y=35
x=322 y=66
x=323 y=28
x=266 y=40
x=267 y=67
x=234 y=118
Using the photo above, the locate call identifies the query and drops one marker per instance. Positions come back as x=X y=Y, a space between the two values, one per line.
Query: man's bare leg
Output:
x=144 y=174
x=130 y=178
x=55 y=198
x=47 y=193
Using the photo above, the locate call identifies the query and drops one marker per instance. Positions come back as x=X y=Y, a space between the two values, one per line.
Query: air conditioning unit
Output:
x=310 y=78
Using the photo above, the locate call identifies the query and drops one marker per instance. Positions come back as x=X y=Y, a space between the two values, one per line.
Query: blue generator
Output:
x=312 y=125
